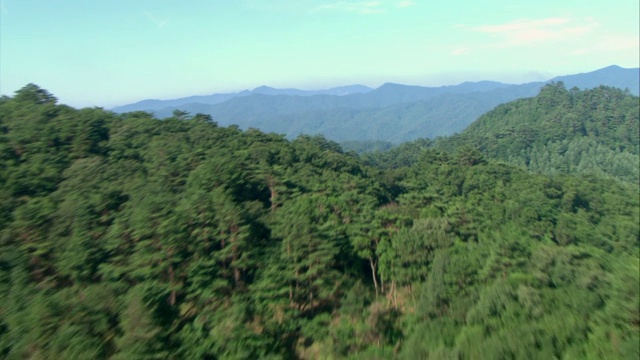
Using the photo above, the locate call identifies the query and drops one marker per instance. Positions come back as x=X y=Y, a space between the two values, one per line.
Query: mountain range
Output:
x=154 y=105
x=391 y=112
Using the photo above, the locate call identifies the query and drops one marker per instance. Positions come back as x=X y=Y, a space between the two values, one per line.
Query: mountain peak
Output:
x=612 y=75
x=391 y=86
x=263 y=89
x=612 y=67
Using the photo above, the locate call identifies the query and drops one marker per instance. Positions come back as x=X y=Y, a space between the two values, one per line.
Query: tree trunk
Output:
x=395 y=297
x=373 y=274
x=172 y=297
x=273 y=193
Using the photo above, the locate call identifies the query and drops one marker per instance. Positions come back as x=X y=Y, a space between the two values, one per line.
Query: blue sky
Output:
x=106 y=53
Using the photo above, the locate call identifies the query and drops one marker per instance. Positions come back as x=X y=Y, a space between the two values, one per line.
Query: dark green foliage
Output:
x=128 y=237
x=362 y=147
x=590 y=132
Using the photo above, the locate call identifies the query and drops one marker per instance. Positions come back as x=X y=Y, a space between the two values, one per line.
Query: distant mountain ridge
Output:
x=391 y=112
x=336 y=91
x=154 y=105
x=614 y=76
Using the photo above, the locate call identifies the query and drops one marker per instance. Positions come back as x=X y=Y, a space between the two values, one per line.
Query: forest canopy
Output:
x=560 y=131
x=124 y=236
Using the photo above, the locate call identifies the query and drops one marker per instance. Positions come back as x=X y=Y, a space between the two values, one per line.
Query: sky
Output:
x=114 y=52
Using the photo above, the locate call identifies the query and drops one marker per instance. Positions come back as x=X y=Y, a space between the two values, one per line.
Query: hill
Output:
x=562 y=131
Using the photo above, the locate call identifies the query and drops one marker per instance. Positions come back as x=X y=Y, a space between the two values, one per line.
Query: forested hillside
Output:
x=562 y=131
x=127 y=237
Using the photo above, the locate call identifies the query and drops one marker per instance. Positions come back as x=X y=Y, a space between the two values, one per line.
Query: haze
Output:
x=114 y=52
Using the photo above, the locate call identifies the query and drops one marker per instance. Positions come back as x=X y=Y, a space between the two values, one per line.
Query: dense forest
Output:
x=562 y=131
x=128 y=237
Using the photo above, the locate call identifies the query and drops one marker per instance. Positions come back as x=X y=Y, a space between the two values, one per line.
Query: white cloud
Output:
x=560 y=38
x=528 y=32
x=405 y=3
x=157 y=21
x=521 y=25
x=460 y=51
x=611 y=44
x=362 y=7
